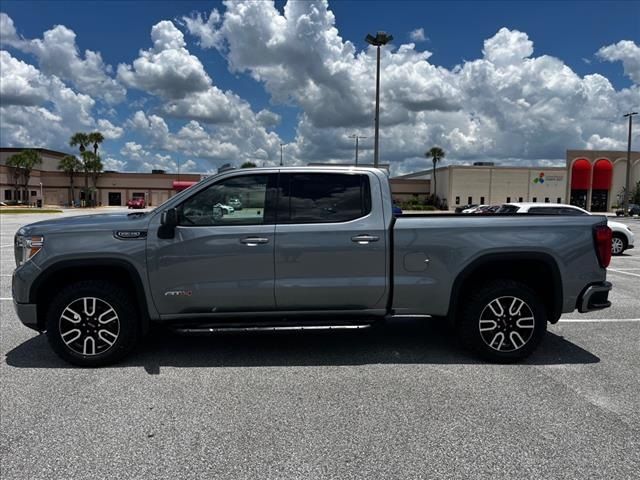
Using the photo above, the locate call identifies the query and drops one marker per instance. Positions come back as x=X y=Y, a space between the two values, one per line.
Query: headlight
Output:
x=27 y=247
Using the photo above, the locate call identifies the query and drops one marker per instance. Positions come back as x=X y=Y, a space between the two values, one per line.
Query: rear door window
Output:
x=323 y=197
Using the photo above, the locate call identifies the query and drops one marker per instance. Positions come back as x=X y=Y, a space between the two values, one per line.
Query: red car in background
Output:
x=137 y=202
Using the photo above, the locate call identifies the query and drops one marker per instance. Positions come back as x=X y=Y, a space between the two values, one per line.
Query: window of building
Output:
x=546 y=199
x=34 y=193
x=457 y=200
x=7 y=194
x=508 y=199
x=481 y=200
x=137 y=195
x=323 y=198
x=211 y=206
x=535 y=199
x=520 y=199
x=559 y=200
x=470 y=201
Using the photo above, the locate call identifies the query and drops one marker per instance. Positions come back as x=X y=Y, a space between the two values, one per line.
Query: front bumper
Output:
x=28 y=314
x=595 y=297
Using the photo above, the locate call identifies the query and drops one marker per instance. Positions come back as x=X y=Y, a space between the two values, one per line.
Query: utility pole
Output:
x=356 y=136
x=281 y=145
x=379 y=40
x=627 y=190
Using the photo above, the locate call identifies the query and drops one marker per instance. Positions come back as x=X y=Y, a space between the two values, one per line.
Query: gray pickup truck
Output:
x=310 y=248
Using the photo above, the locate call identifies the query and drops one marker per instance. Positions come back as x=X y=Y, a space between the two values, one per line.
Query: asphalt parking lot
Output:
x=399 y=401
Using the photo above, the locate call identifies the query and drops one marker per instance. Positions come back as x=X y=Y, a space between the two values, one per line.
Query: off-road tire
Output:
x=477 y=314
x=125 y=326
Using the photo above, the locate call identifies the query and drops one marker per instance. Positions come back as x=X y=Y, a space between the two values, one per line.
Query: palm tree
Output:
x=22 y=164
x=95 y=138
x=95 y=168
x=81 y=139
x=436 y=154
x=70 y=165
x=30 y=159
x=15 y=162
x=90 y=163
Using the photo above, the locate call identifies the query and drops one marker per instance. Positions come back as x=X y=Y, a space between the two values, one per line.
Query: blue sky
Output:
x=455 y=32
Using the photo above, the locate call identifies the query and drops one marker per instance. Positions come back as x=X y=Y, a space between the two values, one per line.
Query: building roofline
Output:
x=482 y=167
x=52 y=153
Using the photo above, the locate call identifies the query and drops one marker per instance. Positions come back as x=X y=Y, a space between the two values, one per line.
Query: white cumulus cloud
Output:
x=628 y=53
x=417 y=35
x=58 y=54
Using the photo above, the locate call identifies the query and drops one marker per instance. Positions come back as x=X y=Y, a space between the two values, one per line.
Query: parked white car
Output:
x=473 y=209
x=623 y=237
x=227 y=209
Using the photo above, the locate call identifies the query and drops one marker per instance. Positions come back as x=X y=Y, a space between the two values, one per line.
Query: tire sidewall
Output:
x=114 y=296
x=469 y=326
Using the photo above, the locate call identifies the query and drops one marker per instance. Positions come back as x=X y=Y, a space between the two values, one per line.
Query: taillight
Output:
x=602 y=236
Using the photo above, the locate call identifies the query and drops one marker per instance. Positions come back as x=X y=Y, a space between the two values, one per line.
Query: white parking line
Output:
x=623 y=273
x=598 y=320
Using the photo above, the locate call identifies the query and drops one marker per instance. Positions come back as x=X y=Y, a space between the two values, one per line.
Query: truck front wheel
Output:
x=92 y=323
x=503 y=321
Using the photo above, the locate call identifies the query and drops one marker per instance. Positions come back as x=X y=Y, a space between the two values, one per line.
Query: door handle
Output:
x=254 y=241
x=364 y=239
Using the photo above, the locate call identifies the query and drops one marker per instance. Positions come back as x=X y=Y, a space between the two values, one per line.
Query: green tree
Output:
x=95 y=139
x=436 y=154
x=248 y=165
x=635 y=194
x=30 y=160
x=81 y=140
x=70 y=165
x=23 y=164
x=15 y=163
x=92 y=167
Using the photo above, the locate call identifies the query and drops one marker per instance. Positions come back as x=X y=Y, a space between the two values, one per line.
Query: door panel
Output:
x=319 y=264
x=220 y=260
x=209 y=269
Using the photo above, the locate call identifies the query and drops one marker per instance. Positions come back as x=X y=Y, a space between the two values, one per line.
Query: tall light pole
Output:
x=357 y=137
x=379 y=40
x=281 y=145
x=627 y=190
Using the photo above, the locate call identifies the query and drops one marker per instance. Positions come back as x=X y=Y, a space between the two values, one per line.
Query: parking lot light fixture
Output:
x=627 y=188
x=381 y=38
x=357 y=137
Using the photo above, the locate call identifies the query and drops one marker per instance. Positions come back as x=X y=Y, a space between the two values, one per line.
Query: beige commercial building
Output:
x=52 y=186
x=591 y=179
x=596 y=179
x=490 y=184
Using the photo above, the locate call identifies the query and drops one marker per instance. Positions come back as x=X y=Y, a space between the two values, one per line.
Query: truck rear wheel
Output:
x=92 y=323
x=503 y=321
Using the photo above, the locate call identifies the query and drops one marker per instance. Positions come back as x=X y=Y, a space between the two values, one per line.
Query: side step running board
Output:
x=208 y=330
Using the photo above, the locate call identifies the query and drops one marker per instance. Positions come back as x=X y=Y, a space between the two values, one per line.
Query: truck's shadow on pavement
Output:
x=402 y=342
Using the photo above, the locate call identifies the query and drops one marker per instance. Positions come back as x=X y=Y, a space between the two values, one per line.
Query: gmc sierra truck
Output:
x=310 y=248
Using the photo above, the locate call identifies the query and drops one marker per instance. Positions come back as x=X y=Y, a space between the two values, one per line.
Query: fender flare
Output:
x=509 y=257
